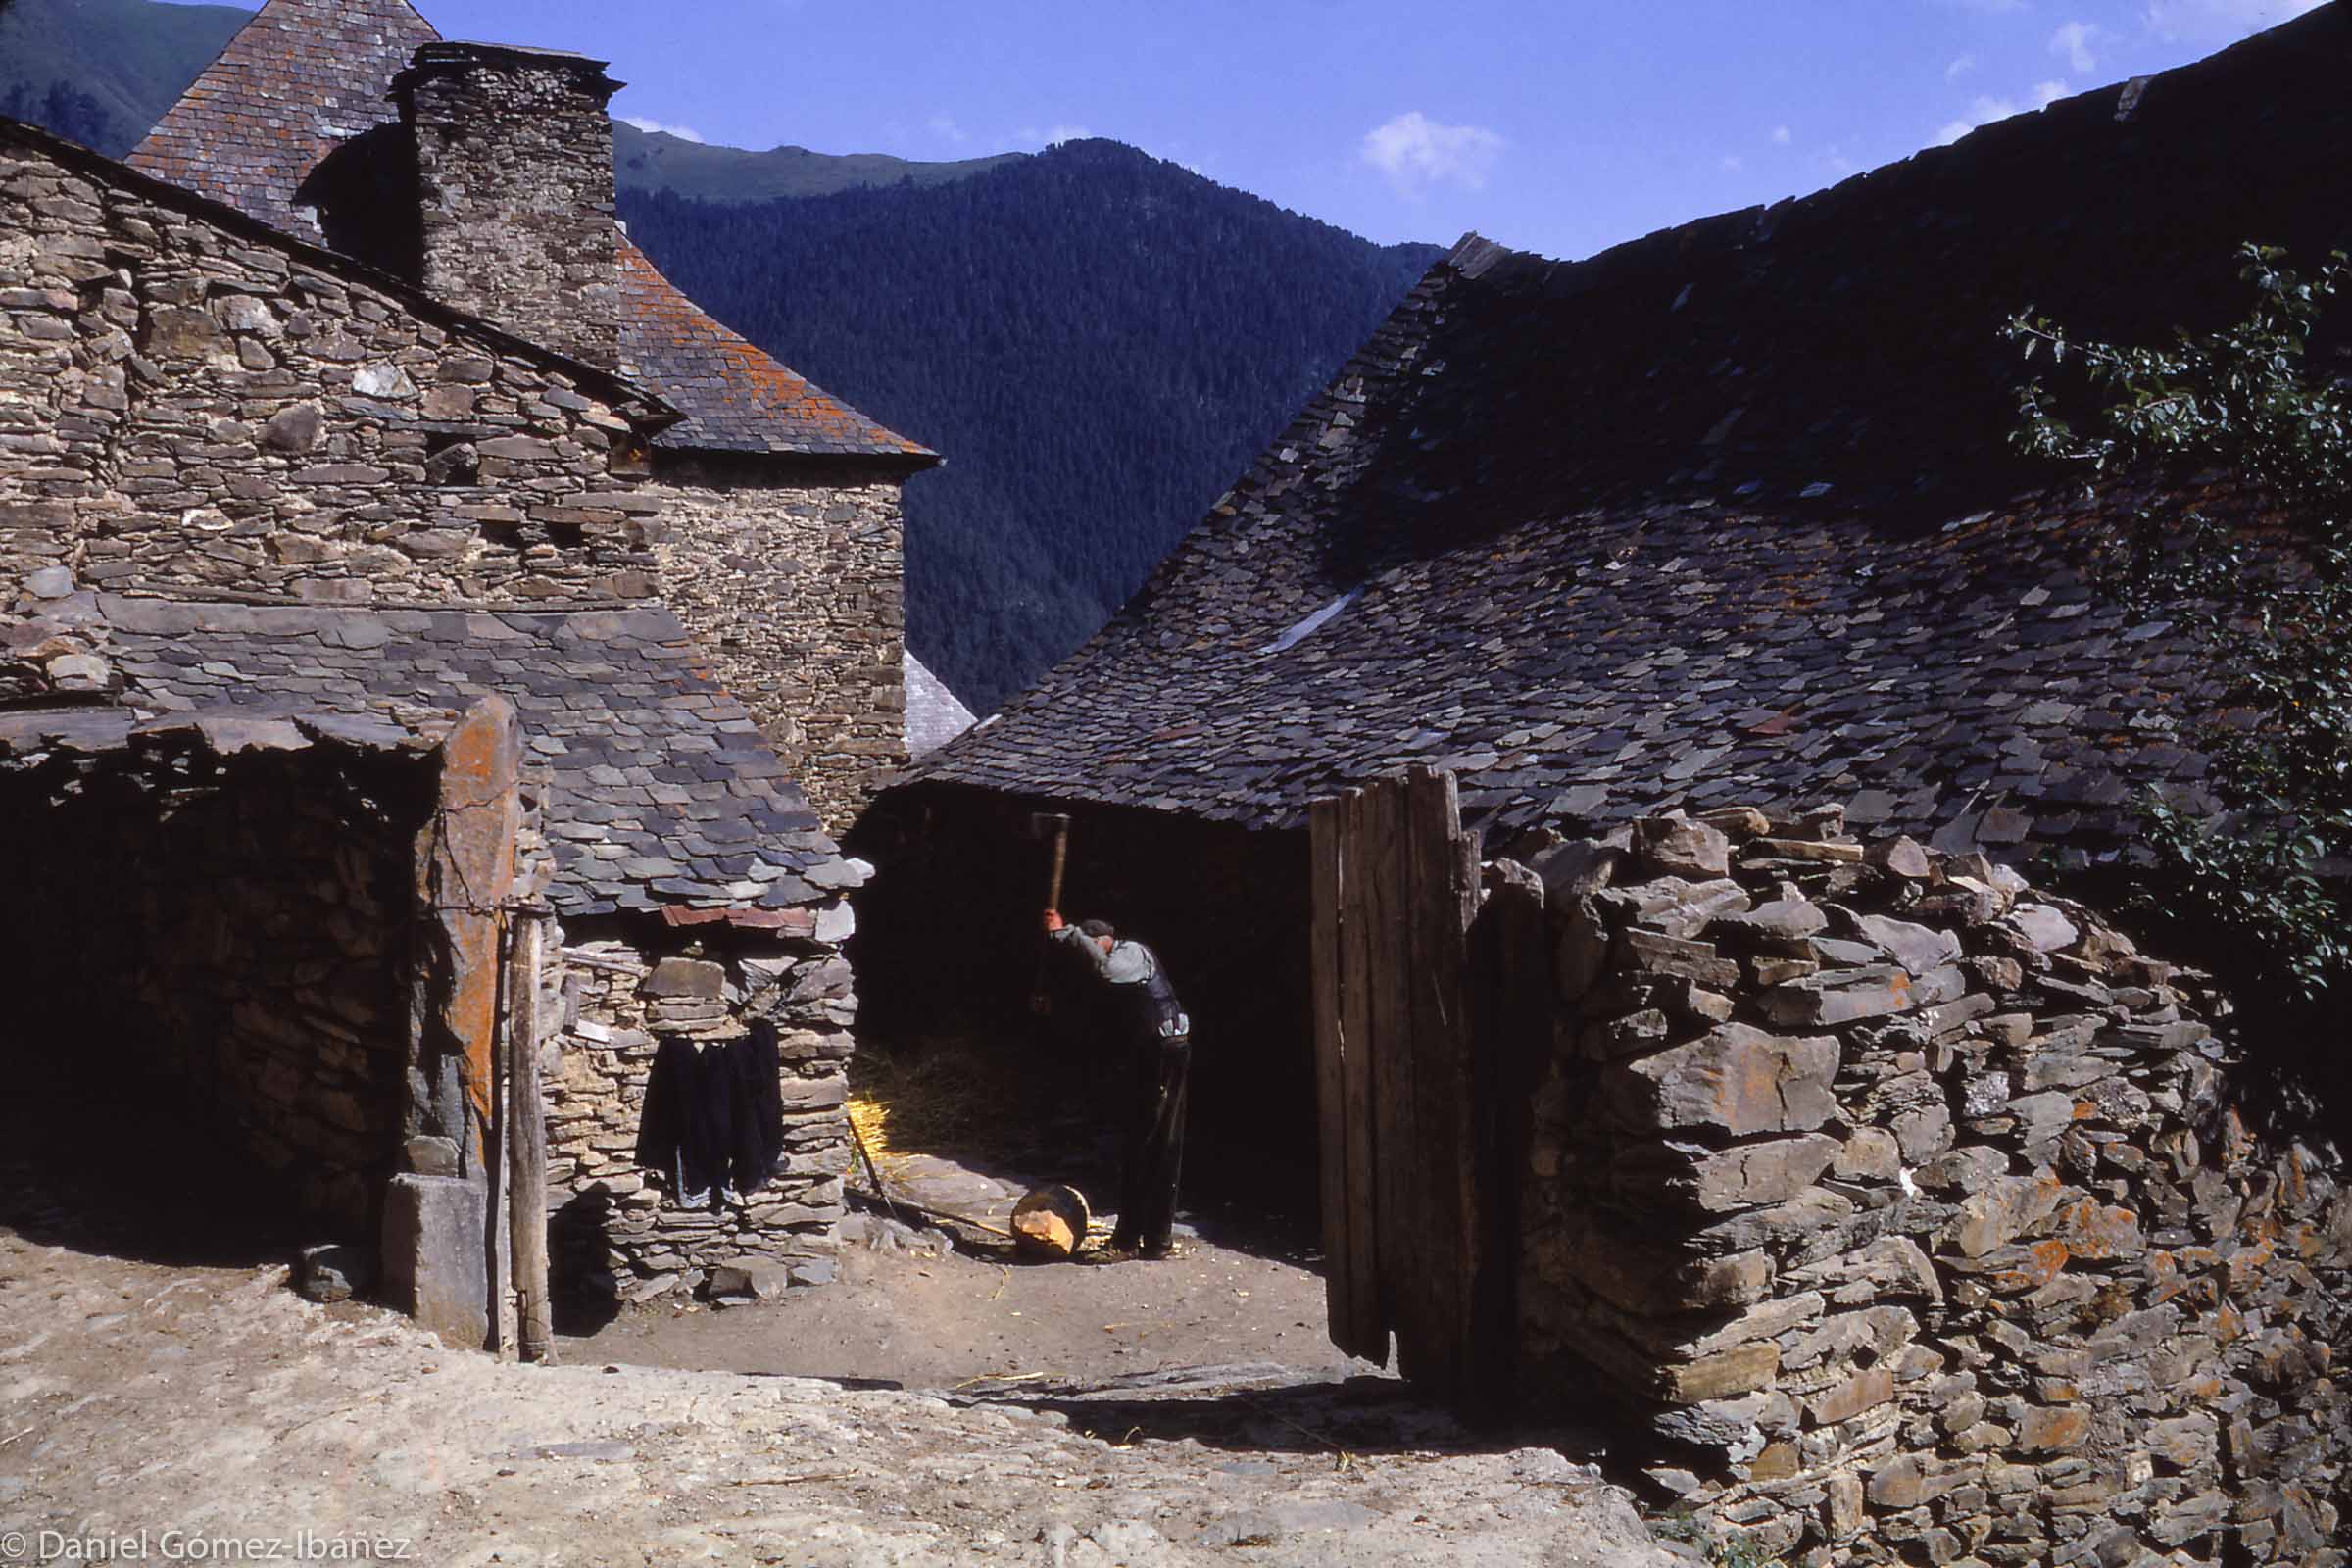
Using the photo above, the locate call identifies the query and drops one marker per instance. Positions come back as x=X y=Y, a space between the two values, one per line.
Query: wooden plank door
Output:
x=1407 y=1174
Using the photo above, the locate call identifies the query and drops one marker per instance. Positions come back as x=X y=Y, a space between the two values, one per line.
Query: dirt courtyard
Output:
x=908 y=1310
x=165 y=1397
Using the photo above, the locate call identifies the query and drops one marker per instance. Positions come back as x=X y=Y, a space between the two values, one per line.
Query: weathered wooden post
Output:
x=526 y=1141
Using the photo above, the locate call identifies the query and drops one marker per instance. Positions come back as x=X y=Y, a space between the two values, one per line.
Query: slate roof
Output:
x=736 y=397
x=663 y=791
x=300 y=77
x=1724 y=514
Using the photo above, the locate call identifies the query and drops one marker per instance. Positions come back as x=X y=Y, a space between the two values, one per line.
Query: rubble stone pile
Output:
x=1915 y=1214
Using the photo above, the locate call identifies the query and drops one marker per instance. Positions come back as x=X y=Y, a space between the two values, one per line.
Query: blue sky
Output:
x=1560 y=126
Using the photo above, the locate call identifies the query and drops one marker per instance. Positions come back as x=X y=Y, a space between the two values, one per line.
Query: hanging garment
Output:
x=687 y=1129
x=714 y=1119
x=757 y=1071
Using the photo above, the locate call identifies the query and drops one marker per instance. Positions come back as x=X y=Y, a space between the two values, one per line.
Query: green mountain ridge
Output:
x=650 y=161
x=1096 y=339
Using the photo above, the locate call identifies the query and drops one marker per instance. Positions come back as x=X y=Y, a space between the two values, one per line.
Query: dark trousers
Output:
x=1155 y=1142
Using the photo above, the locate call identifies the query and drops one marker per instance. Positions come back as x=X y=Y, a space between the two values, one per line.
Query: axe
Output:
x=1042 y=823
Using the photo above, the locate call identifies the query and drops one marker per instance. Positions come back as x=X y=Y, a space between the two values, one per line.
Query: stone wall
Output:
x=1909 y=1212
x=514 y=184
x=616 y=1229
x=184 y=407
x=798 y=593
x=219 y=911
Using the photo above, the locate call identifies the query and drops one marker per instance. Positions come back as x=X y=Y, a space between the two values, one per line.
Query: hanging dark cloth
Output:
x=714 y=1119
x=757 y=1071
x=687 y=1130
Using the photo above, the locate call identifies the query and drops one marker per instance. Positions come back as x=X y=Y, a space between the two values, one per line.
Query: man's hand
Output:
x=1053 y=919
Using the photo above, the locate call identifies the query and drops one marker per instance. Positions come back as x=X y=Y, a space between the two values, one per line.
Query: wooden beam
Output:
x=1368 y=1315
x=1405 y=1253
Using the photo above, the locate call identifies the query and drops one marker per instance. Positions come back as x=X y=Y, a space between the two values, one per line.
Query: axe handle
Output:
x=1061 y=859
x=1039 y=1000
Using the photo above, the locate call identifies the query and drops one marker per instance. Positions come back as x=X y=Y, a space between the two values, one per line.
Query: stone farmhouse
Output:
x=1903 y=1210
x=425 y=634
x=769 y=511
x=1725 y=514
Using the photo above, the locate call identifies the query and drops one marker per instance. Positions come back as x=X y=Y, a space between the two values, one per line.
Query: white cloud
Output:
x=1415 y=152
x=2218 y=21
x=1960 y=68
x=1781 y=136
x=2074 y=42
x=1983 y=112
x=656 y=128
x=2046 y=93
x=943 y=126
x=1732 y=163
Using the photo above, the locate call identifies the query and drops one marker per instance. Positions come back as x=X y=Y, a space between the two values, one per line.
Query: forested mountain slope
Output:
x=101 y=71
x=1097 y=340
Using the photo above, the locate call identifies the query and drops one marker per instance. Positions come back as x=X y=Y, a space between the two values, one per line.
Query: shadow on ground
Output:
x=109 y=1169
x=1262 y=1409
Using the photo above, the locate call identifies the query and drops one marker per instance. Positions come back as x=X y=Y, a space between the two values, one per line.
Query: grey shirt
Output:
x=1131 y=964
x=1127 y=964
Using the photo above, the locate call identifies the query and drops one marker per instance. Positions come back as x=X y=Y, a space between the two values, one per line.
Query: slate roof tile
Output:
x=1728 y=506
x=297 y=80
x=609 y=825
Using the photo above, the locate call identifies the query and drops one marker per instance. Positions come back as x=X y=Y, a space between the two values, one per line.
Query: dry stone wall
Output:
x=617 y=1228
x=184 y=407
x=798 y=594
x=1910 y=1212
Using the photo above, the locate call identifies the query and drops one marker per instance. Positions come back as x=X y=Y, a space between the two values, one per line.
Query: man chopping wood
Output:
x=1157 y=1038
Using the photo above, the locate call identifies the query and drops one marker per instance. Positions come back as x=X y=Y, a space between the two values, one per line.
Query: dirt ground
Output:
x=929 y=1303
x=165 y=1397
x=930 y=1317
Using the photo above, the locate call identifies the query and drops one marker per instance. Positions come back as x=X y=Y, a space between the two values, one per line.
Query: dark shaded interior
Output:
x=208 y=960
x=950 y=945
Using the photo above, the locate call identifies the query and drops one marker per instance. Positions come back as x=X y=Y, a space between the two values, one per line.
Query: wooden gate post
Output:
x=527 y=1143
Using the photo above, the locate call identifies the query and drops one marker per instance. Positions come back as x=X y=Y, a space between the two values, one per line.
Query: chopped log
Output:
x=1050 y=1223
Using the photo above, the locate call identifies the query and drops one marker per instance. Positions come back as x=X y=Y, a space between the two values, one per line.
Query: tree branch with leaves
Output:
x=2258 y=577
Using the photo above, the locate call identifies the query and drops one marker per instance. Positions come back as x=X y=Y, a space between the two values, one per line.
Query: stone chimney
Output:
x=515 y=191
